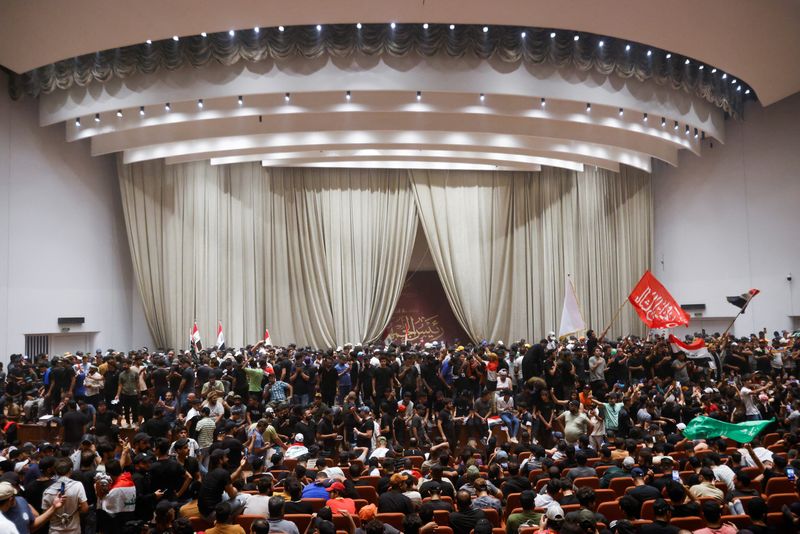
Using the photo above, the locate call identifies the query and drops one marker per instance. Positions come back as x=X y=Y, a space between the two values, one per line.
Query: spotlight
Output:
x=601 y=44
x=452 y=26
x=676 y=126
x=200 y=103
x=649 y=53
x=687 y=129
x=669 y=56
x=663 y=122
x=347 y=95
x=175 y=38
x=483 y=97
x=241 y=100
x=167 y=107
x=686 y=62
x=703 y=135
x=588 y=107
x=231 y=33
x=393 y=25
x=141 y=111
x=358 y=25
x=544 y=102
x=78 y=122
x=425 y=26
x=419 y=96
x=485 y=29
x=96 y=117
x=287 y=97
x=747 y=92
x=281 y=29
x=523 y=34
x=644 y=117
x=701 y=67
x=621 y=111
x=552 y=35
x=627 y=48
x=149 y=41
x=713 y=71
x=724 y=76
x=733 y=82
x=203 y=34
x=319 y=27
x=739 y=88
x=256 y=29
x=576 y=38
x=119 y=113
x=696 y=133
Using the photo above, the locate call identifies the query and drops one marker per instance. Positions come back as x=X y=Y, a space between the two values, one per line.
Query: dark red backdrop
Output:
x=423 y=309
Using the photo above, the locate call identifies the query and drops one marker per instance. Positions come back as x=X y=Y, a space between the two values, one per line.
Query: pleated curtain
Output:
x=317 y=256
x=503 y=244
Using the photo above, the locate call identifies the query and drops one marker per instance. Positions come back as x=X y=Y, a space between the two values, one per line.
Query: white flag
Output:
x=571 y=319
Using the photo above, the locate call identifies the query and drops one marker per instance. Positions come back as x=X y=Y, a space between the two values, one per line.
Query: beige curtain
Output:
x=317 y=256
x=503 y=243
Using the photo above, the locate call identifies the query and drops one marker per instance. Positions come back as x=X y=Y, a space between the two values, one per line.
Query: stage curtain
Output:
x=502 y=244
x=317 y=256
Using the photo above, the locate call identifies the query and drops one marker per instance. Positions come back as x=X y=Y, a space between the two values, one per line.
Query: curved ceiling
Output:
x=757 y=42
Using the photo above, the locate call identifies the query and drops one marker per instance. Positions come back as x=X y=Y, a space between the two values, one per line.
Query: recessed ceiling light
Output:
x=552 y=35
x=141 y=111
x=669 y=56
x=231 y=33
x=747 y=92
x=347 y=95
x=686 y=62
x=483 y=97
x=485 y=29
x=358 y=25
x=663 y=122
x=167 y=107
x=713 y=71
x=287 y=97
x=78 y=122
x=175 y=38
x=419 y=96
x=203 y=34
x=576 y=38
x=393 y=25
x=649 y=53
x=724 y=76
x=319 y=27
x=425 y=26
x=241 y=100
x=96 y=117
x=119 y=113
x=644 y=117
x=627 y=48
x=523 y=34
x=200 y=103
x=621 y=111
x=149 y=41
x=701 y=67
x=588 y=107
x=452 y=26
x=256 y=29
x=544 y=102
x=281 y=28
x=601 y=44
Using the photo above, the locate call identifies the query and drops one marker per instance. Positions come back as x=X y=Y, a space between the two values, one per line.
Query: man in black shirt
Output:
x=157 y=427
x=393 y=501
x=328 y=380
x=661 y=524
x=166 y=474
x=74 y=423
x=464 y=520
x=642 y=492
x=515 y=483
x=217 y=480
x=382 y=378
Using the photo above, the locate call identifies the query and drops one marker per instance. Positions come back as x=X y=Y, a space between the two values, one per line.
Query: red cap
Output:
x=336 y=486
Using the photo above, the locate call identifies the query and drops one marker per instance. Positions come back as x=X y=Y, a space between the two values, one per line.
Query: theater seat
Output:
x=246 y=520
x=619 y=485
x=393 y=519
x=300 y=520
x=780 y=485
x=367 y=493
x=775 y=502
x=688 y=523
x=493 y=516
x=741 y=521
x=611 y=511
x=592 y=482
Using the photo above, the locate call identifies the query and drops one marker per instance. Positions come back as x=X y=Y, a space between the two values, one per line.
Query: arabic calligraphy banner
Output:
x=423 y=313
x=654 y=304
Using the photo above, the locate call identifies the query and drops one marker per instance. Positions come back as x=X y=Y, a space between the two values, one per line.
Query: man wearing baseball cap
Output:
x=337 y=502
x=17 y=510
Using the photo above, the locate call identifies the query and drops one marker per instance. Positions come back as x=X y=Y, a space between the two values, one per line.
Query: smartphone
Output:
x=790 y=474
x=62 y=489
x=676 y=475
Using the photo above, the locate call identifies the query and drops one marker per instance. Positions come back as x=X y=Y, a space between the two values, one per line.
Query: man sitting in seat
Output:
x=527 y=516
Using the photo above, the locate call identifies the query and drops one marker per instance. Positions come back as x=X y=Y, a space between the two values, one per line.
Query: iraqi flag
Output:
x=695 y=351
x=220 y=336
x=741 y=301
x=194 y=337
x=267 y=339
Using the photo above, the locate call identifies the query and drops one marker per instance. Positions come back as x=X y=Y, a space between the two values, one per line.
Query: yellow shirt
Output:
x=225 y=529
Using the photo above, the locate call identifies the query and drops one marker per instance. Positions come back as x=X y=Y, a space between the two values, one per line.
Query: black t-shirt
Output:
x=302 y=386
x=636 y=361
x=61 y=377
x=410 y=379
x=463 y=522
x=210 y=494
x=297 y=507
x=446 y=420
x=203 y=374
x=329 y=378
x=365 y=426
x=160 y=379
x=188 y=375
x=658 y=527
x=156 y=427
x=111 y=382
x=166 y=475
x=73 y=423
x=686 y=509
x=383 y=378
x=395 y=502
x=103 y=422
x=309 y=431
x=644 y=493
x=427 y=509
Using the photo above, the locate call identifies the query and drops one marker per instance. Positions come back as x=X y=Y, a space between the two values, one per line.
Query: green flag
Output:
x=702 y=427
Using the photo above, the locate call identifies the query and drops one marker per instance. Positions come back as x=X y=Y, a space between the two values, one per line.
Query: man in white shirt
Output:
x=749 y=393
x=504 y=404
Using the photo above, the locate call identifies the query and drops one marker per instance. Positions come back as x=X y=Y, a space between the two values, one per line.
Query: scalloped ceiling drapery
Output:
x=503 y=42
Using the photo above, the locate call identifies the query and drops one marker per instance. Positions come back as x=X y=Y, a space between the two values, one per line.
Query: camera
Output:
x=789 y=277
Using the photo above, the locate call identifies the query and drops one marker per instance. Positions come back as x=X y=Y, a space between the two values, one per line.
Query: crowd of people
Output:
x=455 y=437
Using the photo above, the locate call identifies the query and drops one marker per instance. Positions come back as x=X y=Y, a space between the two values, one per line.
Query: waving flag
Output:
x=267 y=339
x=695 y=351
x=571 y=318
x=741 y=301
x=220 y=336
x=654 y=304
x=702 y=427
x=194 y=338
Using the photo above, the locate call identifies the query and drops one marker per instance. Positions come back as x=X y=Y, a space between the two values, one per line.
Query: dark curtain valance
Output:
x=503 y=42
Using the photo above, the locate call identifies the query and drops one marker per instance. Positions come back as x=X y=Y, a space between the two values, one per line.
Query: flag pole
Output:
x=614 y=319
x=725 y=334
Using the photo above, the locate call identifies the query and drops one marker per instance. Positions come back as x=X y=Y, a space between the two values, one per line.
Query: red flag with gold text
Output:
x=654 y=304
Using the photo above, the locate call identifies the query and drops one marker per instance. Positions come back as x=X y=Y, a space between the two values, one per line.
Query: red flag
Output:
x=654 y=304
x=267 y=339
